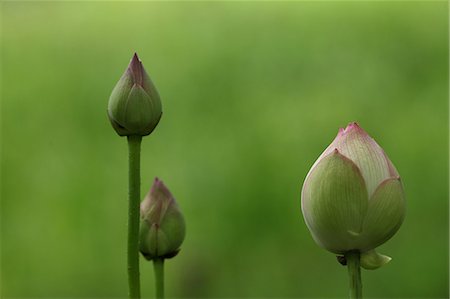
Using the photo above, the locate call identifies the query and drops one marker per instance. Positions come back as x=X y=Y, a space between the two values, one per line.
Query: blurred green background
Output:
x=252 y=93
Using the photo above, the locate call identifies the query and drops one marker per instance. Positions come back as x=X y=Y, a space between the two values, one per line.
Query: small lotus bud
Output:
x=134 y=106
x=352 y=198
x=162 y=228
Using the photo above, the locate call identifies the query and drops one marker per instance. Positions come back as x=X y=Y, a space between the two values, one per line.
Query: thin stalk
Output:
x=134 y=185
x=354 y=274
x=158 y=266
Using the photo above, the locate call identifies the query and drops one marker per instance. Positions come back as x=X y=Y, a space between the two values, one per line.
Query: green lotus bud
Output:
x=162 y=228
x=352 y=198
x=134 y=106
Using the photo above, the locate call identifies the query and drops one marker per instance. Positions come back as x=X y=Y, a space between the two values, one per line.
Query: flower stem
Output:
x=158 y=266
x=354 y=274
x=134 y=185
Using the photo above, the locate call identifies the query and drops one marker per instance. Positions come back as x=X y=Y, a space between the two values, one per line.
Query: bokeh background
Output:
x=252 y=94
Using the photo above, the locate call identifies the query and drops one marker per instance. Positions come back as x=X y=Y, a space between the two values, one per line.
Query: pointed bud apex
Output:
x=162 y=228
x=352 y=198
x=134 y=106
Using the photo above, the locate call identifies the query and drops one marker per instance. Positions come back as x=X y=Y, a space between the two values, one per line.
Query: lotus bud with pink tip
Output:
x=134 y=107
x=353 y=198
x=162 y=227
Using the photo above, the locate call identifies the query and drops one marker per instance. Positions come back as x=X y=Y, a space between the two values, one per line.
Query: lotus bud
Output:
x=134 y=106
x=353 y=198
x=162 y=227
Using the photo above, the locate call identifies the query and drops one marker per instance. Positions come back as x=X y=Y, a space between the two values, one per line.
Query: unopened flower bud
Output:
x=353 y=198
x=134 y=106
x=162 y=228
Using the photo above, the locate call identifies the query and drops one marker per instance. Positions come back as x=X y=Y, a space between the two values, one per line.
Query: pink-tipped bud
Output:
x=353 y=198
x=162 y=228
x=134 y=106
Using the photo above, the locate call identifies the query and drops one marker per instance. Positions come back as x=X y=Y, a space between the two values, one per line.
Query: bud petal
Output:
x=358 y=146
x=334 y=203
x=162 y=228
x=139 y=111
x=385 y=215
x=134 y=106
x=371 y=260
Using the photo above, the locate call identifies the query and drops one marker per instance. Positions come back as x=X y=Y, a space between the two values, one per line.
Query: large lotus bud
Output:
x=162 y=228
x=352 y=198
x=134 y=106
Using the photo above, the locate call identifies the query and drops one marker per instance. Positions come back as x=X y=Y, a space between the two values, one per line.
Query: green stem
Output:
x=158 y=266
x=354 y=274
x=134 y=185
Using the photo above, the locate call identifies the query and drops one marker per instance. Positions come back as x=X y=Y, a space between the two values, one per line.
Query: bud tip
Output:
x=352 y=126
x=136 y=69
